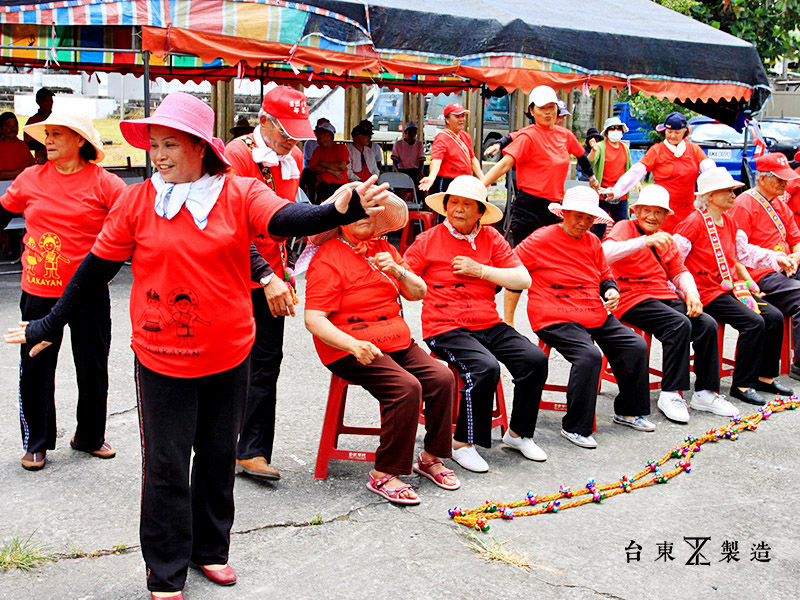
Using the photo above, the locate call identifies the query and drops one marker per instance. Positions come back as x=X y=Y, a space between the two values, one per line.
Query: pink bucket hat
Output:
x=180 y=111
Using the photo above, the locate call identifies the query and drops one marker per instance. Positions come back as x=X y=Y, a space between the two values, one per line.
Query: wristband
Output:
x=264 y=281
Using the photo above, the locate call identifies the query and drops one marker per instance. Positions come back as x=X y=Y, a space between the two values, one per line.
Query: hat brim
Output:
x=457 y=112
x=137 y=133
x=733 y=186
x=786 y=173
x=624 y=128
x=36 y=131
x=599 y=214
x=297 y=129
x=492 y=214
x=667 y=208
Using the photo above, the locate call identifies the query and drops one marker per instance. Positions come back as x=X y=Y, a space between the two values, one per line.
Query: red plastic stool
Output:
x=425 y=219
x=786 y=348
x=606 y=374
x=333 y=426
x=557 y=387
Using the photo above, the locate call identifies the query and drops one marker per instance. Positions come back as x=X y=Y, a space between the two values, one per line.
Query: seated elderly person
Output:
x=329 y=162
x=354 y=284
x=569 y=303
x=644 y=260
x=362 y=164
x=716 y=257
x=462 y=261
x=762 y=214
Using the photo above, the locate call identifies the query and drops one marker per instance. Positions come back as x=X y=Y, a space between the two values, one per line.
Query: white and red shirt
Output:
x=63 y=215
x=452 y=300
x=190 y=304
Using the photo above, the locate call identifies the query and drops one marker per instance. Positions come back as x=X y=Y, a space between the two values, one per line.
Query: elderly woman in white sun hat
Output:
x=644 y=261
x=355 y=283
x=611 y=158
x=463 y=260
x=717 y=254
x=570 y=303
x=65 y=202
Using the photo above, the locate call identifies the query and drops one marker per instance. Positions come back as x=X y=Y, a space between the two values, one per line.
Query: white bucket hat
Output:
x=612 y=122
x=542 y=95
x=654 y=195
x=466 y=186
x=80 y=124
x=581 y=198
x=715 y=179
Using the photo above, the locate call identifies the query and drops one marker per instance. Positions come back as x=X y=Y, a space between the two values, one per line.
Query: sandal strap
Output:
x=395 y=493
x=427 y=465
x=379 y=483
x=440 y=476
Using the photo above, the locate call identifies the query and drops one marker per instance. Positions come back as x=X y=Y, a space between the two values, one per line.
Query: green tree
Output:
x=650 y=111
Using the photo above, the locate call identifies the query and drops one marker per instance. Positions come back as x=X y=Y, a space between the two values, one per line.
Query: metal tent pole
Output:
x=148 y=169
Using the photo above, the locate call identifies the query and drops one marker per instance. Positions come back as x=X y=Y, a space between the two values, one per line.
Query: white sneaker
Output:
x=674 y=408
x=714 y=403
x=638 y=423
x=584 y=441
x=525 y=445
x=468 y=457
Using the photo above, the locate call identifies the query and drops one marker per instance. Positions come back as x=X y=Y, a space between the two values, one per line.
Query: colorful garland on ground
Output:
x=535 y=505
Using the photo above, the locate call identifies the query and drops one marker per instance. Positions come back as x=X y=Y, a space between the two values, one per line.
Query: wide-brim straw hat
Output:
x=180 y=111
x=466 y=186
x=614 y=122
x=654 y=195
x=716 y=179
x=394 y=216
x=581 y=198
x=80 y=124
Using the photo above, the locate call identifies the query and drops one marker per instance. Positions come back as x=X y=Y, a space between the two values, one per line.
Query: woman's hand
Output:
x=365 y=352
x=279 y=298
x=660 y=239
x=385 y=262
x=754 y=289
x=493 y=149
x=16 y=335
x=786 y=264
x=425 y=183
x=370 y=195
x=611 y=300
x=694 y=308
x=464 y=265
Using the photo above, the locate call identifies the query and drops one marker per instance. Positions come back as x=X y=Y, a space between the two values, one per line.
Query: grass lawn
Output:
x=117 y=153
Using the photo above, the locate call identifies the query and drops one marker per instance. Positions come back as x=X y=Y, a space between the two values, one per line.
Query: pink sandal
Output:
x=378 y=486
x=424 y=469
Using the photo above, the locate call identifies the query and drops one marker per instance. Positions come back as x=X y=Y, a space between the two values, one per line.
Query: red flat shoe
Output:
x=176 y=596
x=224 y=576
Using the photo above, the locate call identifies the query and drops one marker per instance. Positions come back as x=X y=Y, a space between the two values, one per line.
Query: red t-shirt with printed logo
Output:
x=761 y=230
x=190 y=304
x=63 y=215
x=541 y=156
x=645 y=273
x=566 y=274
x=241 y=159
x=701 y=262
x=452 y=300
x=359 y=299
x=456 y=157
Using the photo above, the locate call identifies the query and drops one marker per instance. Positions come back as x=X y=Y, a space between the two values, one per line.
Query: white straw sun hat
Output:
x=654 y=195
x=466 y=186
x=715 y=179
x=79 y=123
x=581 y=198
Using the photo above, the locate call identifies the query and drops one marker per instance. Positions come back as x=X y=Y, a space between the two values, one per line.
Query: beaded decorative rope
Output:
x=683 y=453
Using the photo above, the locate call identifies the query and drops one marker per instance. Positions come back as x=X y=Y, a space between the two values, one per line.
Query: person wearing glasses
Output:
x=610 y=159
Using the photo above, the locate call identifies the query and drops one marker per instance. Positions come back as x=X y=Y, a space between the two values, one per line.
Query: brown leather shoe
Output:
x=34 y=461
x=258 y=467
x=104 y=451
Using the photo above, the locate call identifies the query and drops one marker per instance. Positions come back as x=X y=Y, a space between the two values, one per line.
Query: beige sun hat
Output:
x=393 y=217
x=581 y=198
x=654 y=195
x=715 y=179
x=466 y=186
x=80 y=124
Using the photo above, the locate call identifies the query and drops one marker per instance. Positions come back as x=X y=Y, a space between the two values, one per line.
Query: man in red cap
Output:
x=762 y=214
x=269 y=154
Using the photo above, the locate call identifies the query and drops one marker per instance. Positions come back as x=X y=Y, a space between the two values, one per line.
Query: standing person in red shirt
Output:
x=716 y=254
x=269 y=154
x=611 y=158
x=329 y=162
x=568 y=307
x=451 y=152
x=65 y=201
x=462 y=261
x=767 y=222
x=644 y=261
x=188 y=229
x=14 y=153
x=675 y=164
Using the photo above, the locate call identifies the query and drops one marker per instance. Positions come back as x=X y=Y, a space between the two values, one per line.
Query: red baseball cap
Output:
x=777 y=164
x=290 y=109
x=454 y=109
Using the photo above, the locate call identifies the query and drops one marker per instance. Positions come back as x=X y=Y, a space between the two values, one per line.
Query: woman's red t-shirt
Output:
x=455 y=161
x=566 y=274
x=334 y=153
x=190 y=306
x=614 y=166
x=63 y=215
x=359 y=299
x=15 y=155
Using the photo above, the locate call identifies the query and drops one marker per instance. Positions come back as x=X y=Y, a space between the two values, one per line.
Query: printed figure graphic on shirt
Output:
x=184 y=317
x=152 y=320
x=50 y=244
x=31 y=257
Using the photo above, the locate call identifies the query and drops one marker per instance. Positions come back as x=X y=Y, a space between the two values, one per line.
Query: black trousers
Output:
x=627 y=355
x=758 y=350
x=667 y=321
x=618 y=212
x=90 y=334
x=784 y=294
x=187 y=516
x=528 y=214
x=475 y=355
x=258 y=428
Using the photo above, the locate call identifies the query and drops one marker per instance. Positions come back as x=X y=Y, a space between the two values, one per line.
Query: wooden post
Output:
x=354 y=99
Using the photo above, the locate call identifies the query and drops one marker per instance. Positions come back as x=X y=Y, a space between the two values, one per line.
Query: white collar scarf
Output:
x=199 y=197
x=676 y=150
x=266 y=155
x=469 y=237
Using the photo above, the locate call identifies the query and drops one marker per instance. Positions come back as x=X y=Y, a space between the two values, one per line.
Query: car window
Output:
x=782 y=132
x=704 y=133
x=389 y=105
x=438 y=104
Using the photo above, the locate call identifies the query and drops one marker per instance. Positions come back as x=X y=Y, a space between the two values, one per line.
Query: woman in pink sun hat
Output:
x=188 y=230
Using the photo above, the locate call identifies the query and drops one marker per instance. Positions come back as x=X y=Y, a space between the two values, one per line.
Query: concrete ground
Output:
x=301 y=538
